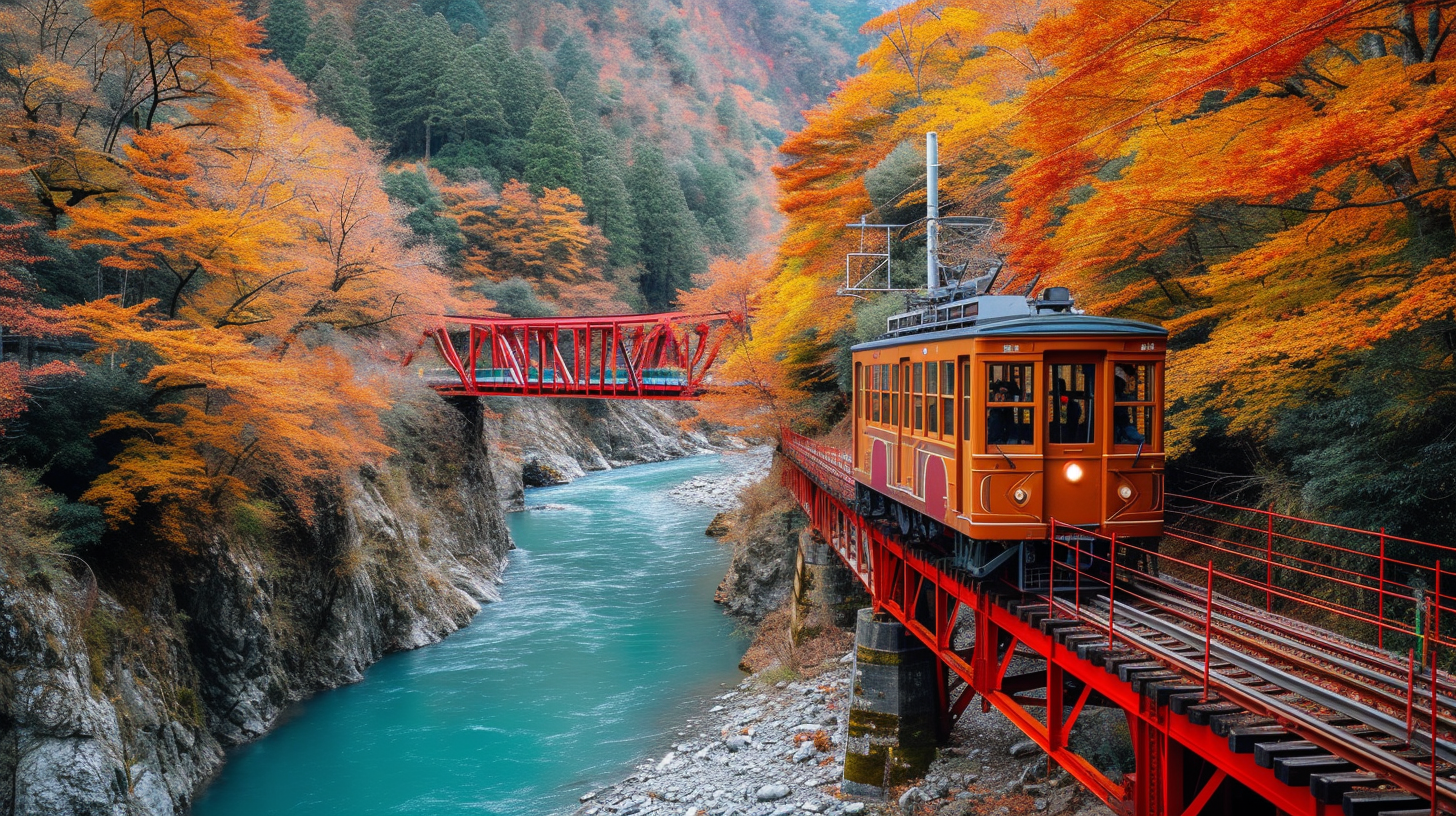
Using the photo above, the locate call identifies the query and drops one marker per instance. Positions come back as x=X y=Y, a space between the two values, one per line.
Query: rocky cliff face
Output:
x=122 y=700
x=554 y=441
x=764 y=533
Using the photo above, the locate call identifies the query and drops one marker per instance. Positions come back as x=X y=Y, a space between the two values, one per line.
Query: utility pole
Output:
x=932 y=213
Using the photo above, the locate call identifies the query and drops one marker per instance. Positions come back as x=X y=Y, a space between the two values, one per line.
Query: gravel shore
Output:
x=769 y=748
x=720 y=491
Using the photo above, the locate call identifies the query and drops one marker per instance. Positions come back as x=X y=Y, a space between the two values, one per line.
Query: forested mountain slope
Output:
x=222 y=229
x=661 y=120
x=1269 y=181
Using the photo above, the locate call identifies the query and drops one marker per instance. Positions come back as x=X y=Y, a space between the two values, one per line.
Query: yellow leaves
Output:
x=543 y=239
x=233 y=416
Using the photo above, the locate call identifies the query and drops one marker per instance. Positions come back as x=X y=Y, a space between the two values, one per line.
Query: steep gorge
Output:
x=122 y=701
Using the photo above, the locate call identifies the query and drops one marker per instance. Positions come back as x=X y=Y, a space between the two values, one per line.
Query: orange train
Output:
x=978 y=420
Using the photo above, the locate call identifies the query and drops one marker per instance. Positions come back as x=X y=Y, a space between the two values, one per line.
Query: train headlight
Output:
x=1020 y=496
x=1074 y=472
x=1125 y=492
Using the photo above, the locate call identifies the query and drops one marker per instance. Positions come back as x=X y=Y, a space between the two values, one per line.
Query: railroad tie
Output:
x=1374 y=803
x=1203 y=714
x=1163 y=693
x=1143 y=682
x=1266 y=752
x=1242 y=740
x=1222 y=724
x=1181 y=703
x=1300 y=770
x=1330 y=788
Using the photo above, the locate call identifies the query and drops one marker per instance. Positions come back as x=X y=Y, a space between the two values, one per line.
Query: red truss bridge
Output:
x=651 y=356
x=1218 y=648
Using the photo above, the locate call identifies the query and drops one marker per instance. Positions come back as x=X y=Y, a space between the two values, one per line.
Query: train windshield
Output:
x=1133 y=403
x=1010 y=404
x=1070 y=393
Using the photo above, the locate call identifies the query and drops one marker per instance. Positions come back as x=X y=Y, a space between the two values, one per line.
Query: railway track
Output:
x=1304 y=717
x=1305 y=708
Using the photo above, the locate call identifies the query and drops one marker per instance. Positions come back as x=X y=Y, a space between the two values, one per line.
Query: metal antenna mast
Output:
x=932 y=213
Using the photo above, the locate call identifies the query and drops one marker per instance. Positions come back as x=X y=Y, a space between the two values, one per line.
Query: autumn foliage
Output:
x=251 y=270
x=1271 y=181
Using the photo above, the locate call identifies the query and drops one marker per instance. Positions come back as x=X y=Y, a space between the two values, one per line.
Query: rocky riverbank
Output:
x=546 y=442
x=119 y=697
x=775 y=747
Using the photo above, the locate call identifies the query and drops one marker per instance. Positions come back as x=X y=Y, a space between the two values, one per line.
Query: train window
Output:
x=966 y=401
x=1071 y=392
x=947 y=416
x=947 y=379
x=859 y=390
x=919 y=412
x=930 y=386
x=919 y=372
x=932 y=416
x=1133 y=410
x=1011 y=410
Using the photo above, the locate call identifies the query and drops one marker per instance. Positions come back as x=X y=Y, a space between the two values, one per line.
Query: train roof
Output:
x=1032 y=325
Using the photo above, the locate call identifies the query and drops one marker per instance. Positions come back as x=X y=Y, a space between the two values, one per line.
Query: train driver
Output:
x=1124 y=430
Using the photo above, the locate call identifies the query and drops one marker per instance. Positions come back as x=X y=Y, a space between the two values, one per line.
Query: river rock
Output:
x=772 y=792
x=854 y=808
x=805 y=753
x=737 y=743
x=1024 y=748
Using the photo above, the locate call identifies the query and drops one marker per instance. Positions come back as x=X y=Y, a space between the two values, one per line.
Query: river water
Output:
x=605 y=638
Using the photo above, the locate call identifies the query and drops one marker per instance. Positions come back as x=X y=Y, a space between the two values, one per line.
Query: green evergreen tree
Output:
x=327 y=37
x=609 y=208
x=553 y=153
x=288 y=27
x=343 y=96
x=571 y=60
x=672 y=245
x=470 y=108
x=521 y=88
x=459 y=13
x=720 y=209
x=413 y=189
x=406 y=55
x=583 y=97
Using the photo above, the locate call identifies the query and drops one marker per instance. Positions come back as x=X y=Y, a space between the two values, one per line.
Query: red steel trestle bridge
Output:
x=1218 y=649
x=654 y=356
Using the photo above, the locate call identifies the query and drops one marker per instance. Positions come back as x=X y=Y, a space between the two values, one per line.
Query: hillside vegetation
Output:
x=223 y=226
x=1271 y=182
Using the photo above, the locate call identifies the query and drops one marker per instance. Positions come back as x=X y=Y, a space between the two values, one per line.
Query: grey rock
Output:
x=1025 y=748
x=910 y=798
x=1040 y=804
x=771 y=792
x=854 y=808
x=737 y=742
x=805 y=753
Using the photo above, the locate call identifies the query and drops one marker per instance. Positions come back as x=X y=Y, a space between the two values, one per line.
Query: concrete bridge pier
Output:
x=893 y=711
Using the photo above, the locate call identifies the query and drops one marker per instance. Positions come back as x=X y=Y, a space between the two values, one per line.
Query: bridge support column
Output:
x=894 y=709
x=826 y=593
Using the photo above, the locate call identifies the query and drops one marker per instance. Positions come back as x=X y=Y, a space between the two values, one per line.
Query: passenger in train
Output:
x=1124 y=430
x=1066 y=415
x=1001 y=426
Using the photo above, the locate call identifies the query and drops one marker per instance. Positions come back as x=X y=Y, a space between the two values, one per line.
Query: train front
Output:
x=980 y=421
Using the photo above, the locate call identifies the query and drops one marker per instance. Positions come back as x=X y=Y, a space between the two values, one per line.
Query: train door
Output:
x=905 y=449
x=1074 y=443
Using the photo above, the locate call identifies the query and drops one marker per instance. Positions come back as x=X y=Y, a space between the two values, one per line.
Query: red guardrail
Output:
x=830 y=466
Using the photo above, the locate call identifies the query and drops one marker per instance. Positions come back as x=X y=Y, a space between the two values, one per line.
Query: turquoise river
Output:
x=604 y=640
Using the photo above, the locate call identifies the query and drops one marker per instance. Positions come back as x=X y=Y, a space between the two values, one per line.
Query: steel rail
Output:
x=1341 y=662
x=1403 y=772
x=1297 y=664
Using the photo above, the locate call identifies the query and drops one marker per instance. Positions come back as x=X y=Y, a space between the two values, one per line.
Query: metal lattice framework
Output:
x=650 y=356
x=1240 y=699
